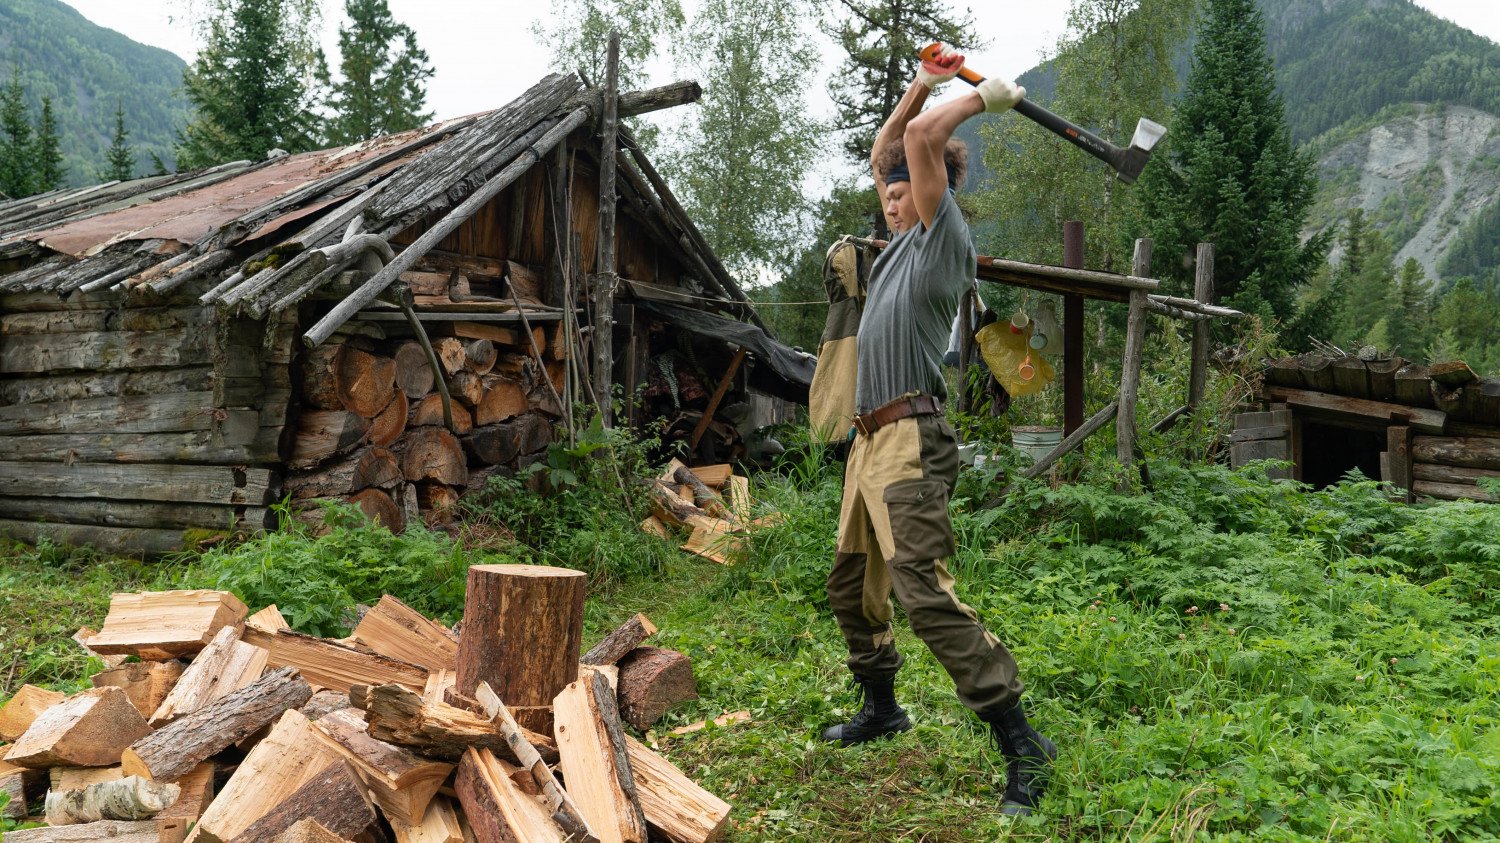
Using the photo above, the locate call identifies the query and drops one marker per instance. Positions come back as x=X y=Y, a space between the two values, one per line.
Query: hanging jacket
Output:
x=846 y=272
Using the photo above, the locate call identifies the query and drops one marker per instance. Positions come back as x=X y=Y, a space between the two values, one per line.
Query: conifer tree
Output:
x=383 y=84
x=16 y=149
x=1411 y=329
x=120 y=157
x=1233 y=177
x=247 y=86
x=880 y=40
x=47 y=157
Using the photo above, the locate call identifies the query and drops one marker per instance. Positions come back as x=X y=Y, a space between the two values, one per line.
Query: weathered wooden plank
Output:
x=1449 y=491
x=1451 y=473
x=1398 y=462
x=105 y=350
x=1250 y=434
x=103 y=512
x=1423 y=420
x=124 y=319
x=72 y=387
x=121 y=541
x=193 y=446
x=138 y=481
x=166 y=413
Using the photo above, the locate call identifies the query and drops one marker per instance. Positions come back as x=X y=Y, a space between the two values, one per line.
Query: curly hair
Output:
x=955 y=156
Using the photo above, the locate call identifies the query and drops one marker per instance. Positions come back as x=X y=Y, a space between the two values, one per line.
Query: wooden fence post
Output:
x=604 y=277
x=1203 y=291
x=1130 y=374
x=1072 y=332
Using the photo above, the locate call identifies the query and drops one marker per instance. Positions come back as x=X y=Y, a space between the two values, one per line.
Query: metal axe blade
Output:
x=1127 y=163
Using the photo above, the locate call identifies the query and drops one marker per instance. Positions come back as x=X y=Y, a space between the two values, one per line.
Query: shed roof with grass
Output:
x=389 y=323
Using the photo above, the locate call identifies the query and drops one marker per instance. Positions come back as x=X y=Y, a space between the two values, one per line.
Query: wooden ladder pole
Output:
x=713 y=403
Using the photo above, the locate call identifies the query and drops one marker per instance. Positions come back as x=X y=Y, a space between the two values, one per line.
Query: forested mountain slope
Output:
x=88 y=71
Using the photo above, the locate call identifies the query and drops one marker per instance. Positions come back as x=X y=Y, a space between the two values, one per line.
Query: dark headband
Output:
x=901 y=172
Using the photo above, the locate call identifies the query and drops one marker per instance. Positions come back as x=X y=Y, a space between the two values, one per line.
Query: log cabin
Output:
x=388 y=323
x=1431 y=431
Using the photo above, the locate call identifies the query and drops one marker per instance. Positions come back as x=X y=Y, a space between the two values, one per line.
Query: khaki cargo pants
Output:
x=894 y=533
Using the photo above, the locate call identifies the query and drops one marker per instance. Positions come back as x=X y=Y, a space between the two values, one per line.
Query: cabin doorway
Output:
x=1328 y=452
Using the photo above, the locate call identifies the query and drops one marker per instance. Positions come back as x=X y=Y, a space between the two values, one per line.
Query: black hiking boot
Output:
x=879 y=716
x=1028 y=757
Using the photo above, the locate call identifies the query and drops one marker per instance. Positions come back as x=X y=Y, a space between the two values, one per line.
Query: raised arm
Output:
x=907 y=109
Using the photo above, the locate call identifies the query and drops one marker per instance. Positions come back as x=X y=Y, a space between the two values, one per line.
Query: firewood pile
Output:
x=230 y=726
x=373 y=426
x=710 y=503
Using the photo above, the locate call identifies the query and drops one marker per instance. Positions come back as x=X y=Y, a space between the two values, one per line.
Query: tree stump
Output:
x=429 y=413
x=389 y=424
x=450 y=354
x=466 y=387
x=380 y=508
x=480 y=356
x=367 y=382
x=432 y=453
x=503 y=399
x=522 y=629
x=414 y=374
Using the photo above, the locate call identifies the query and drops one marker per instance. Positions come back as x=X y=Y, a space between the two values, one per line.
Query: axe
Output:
x=1127 y=163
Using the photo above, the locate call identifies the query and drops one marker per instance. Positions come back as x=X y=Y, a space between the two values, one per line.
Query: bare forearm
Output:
x=905 y=111
x=935 y=127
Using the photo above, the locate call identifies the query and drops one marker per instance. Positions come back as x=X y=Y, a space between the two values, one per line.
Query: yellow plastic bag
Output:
x=1009 y=357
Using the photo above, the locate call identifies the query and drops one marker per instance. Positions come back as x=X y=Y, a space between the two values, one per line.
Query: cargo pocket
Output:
x=919 y=519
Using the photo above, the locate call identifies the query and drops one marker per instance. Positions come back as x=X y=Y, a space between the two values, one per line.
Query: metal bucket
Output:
x=1034 y=441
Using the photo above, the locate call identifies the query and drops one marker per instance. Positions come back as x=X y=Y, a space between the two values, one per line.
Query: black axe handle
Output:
x=1060 y=126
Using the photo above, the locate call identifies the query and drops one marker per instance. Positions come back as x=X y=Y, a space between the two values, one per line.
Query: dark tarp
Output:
x=776 y=369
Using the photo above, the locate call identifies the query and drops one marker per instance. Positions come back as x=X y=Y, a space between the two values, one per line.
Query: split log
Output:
x=82 y=637
x=309 y=831
x=677 y=808
x=467 y=388
x=713 y=476
x=369 y=467
x=703 y=497
x=537 y=774
x=260 y=626
x=324 y=703
x=438 y=500
x=653 y=680
x=739 y=498
x=431 y=453
x=717 y=541
x=400 y=716
x=129 y=798
x=503 y=335
x=439 y=825
x=18 y=713
x=78 y=778
x=594 y=759
x=115 y=831
x=402 y=783
x=89 y=729
x=414 y=375
x=496 y=808
x=166 y=624
x=175 y=749
x=675 y=509
x=290 y=756
x=503 y=399
x=366 y=382
x=21 y=786
x=320 y=376
x=625 y=638
x=500 y=444
x=322 y=434
x=525 y=283
x=380 y=508
x=333 y=798
x=1466 y=451
x=329 y=664
x=522 y=626
x=197 y=789
x=226 y=665
x=394 y=629
x=479 y=356
x=389 y=423
x=428 y=412
x=147 y=684
x=450 y=353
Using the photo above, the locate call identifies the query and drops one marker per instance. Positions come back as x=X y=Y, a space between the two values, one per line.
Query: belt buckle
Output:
x=859 y=424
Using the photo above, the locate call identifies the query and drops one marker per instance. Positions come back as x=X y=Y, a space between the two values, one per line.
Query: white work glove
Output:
x=941 y=70
x=1000 y=94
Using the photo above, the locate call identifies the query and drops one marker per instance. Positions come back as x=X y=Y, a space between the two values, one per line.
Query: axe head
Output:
x=1133 y=160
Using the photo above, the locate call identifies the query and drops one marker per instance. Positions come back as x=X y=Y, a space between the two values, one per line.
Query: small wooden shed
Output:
x=1433 y=431
x=388 y=323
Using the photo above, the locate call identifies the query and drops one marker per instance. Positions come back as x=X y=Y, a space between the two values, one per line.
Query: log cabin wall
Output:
x=1432 y=431
x=137 y=428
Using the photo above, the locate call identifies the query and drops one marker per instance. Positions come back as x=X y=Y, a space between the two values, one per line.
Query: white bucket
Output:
x=1036 y=442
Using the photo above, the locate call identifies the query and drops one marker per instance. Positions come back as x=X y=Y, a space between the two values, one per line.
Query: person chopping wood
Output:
x=894 y=531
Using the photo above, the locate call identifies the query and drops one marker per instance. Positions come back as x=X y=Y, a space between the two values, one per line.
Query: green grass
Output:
x=1348 y=687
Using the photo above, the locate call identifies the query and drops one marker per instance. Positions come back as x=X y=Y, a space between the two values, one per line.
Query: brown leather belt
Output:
x=901 y=408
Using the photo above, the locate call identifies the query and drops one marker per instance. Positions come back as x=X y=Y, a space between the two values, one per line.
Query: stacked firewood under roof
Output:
x=233 y=727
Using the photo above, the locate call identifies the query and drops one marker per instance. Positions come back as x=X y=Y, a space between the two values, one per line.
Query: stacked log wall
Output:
x=1449 y=467
x=137 y=426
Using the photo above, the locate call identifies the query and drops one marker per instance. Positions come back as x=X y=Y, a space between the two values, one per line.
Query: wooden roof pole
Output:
x=605 y=277
x=371 y=289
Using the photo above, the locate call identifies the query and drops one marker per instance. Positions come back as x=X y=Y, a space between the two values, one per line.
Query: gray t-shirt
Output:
x=914 y=290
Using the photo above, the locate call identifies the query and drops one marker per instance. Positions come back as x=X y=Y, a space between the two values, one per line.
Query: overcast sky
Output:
x=484 y=53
